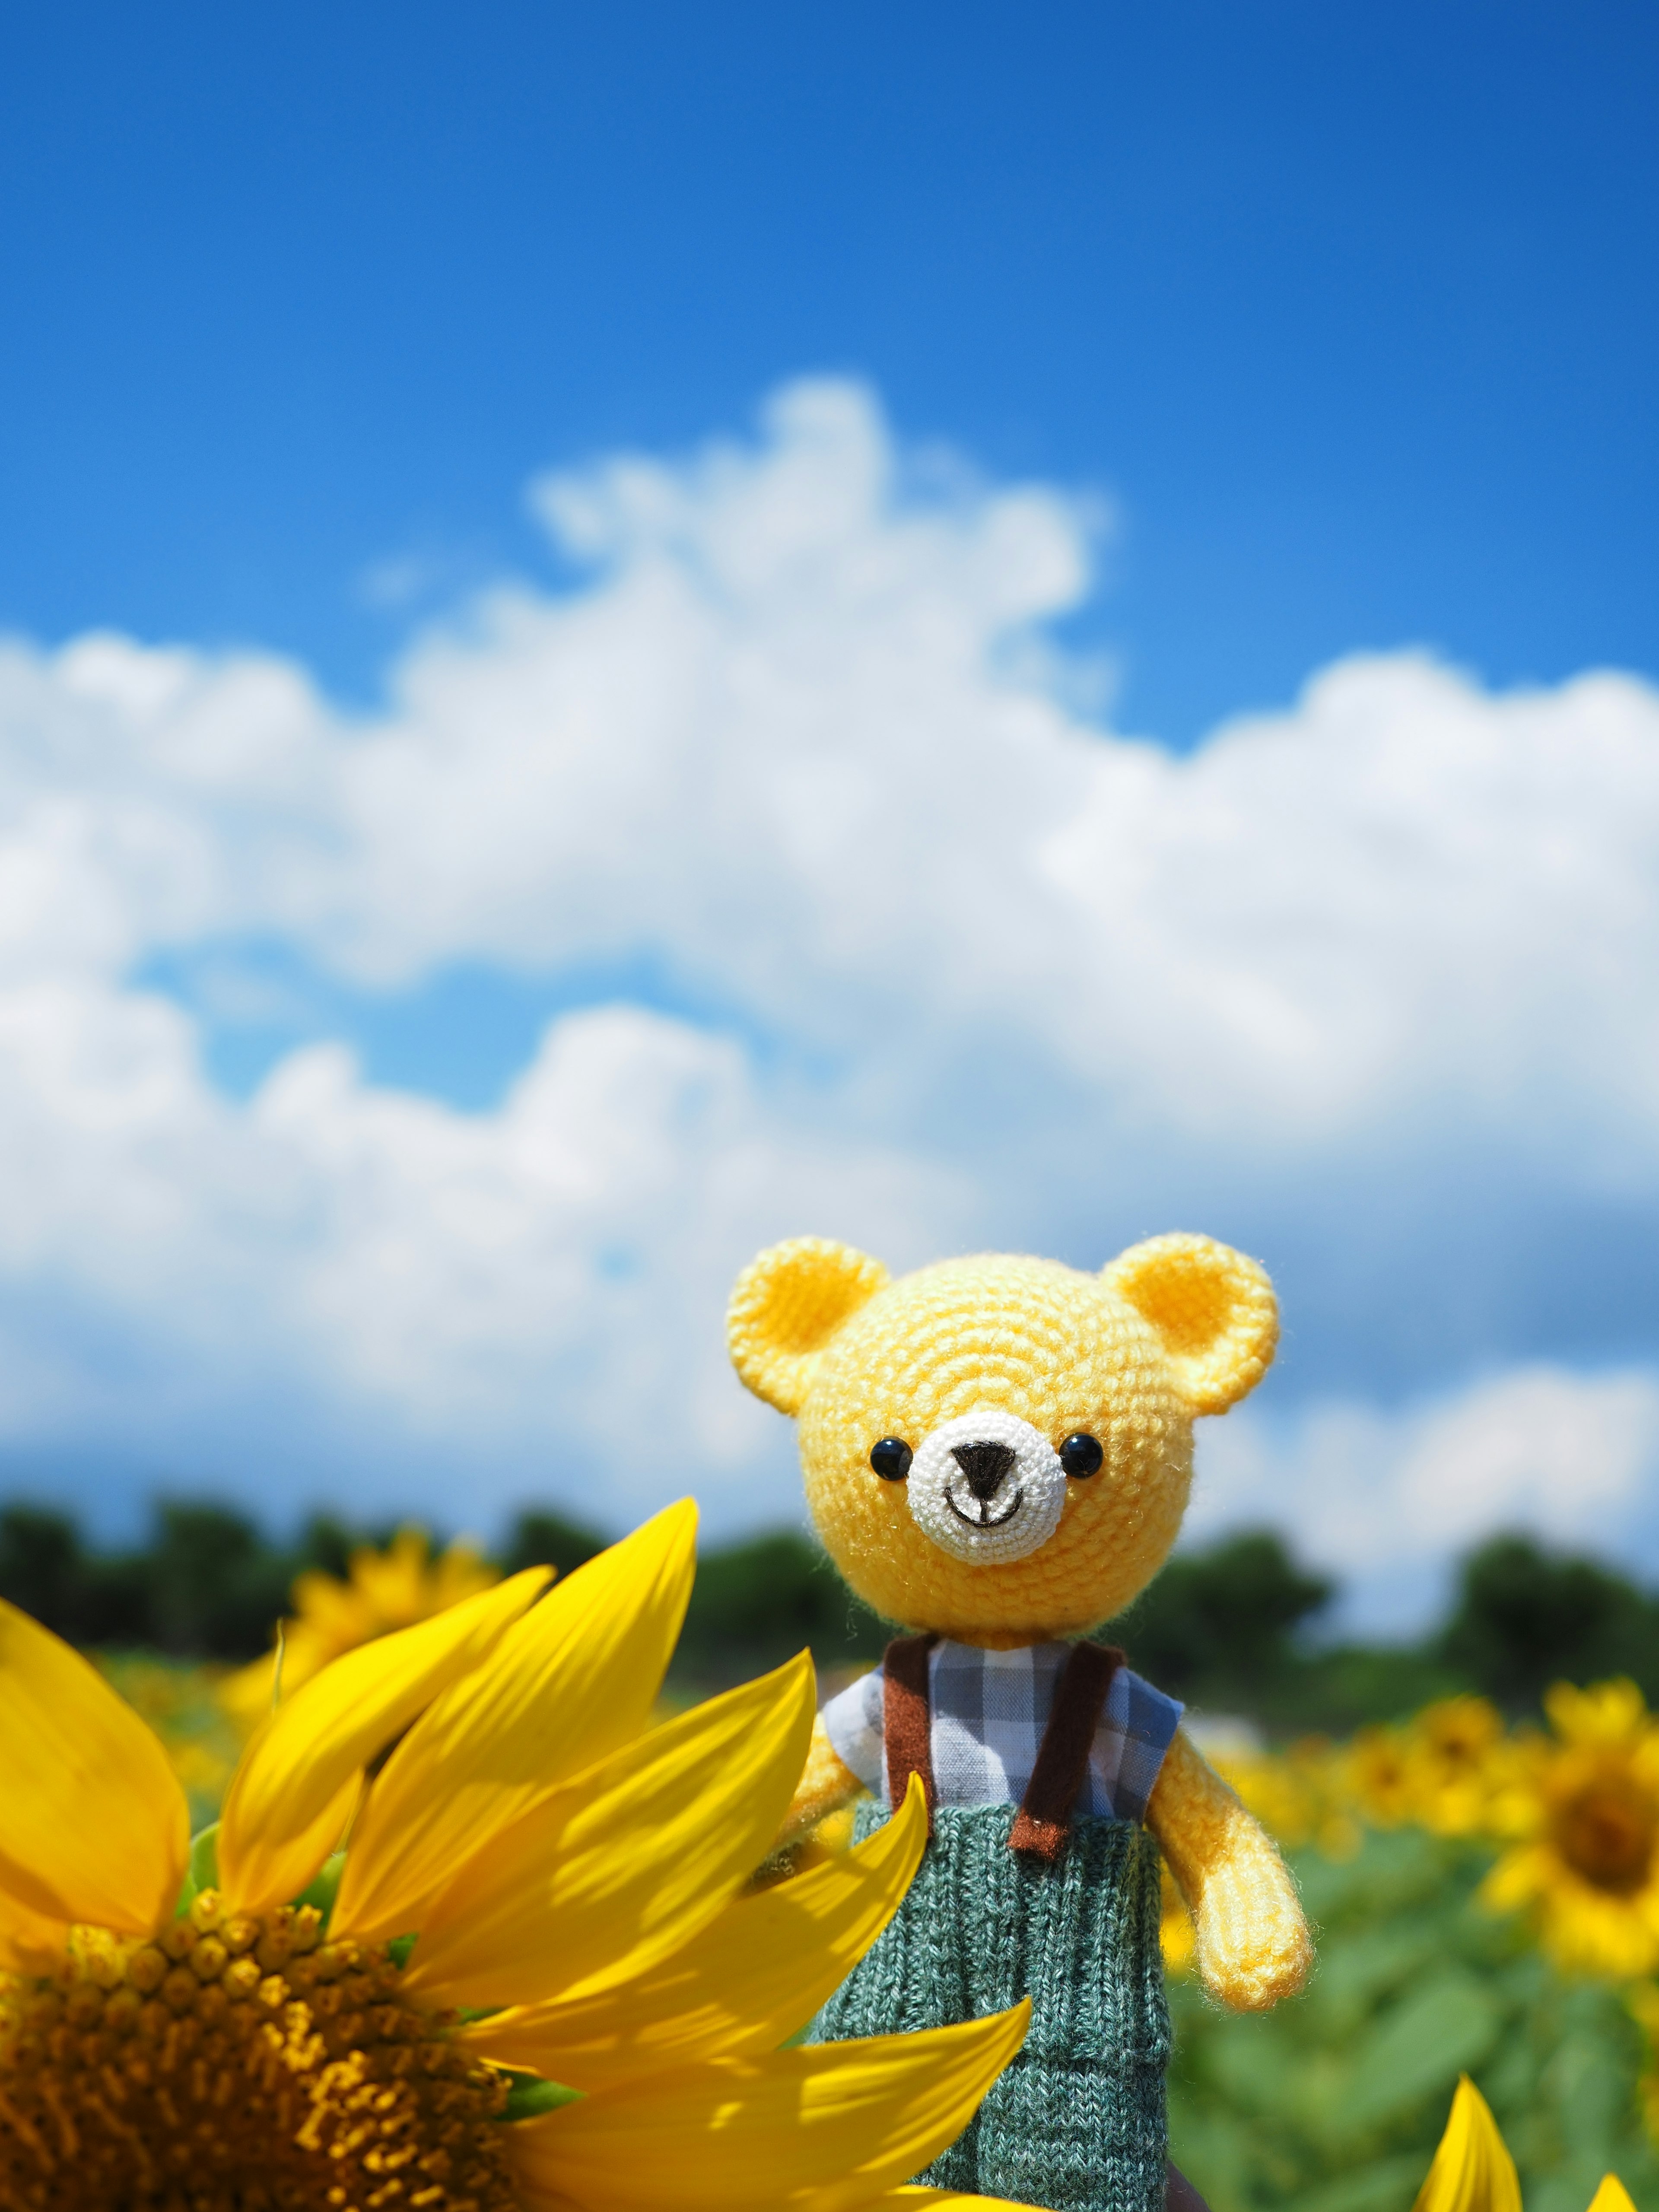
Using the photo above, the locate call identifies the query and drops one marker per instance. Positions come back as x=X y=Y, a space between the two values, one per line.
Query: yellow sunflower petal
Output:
x=830 y=2128
x=29 y=1942
x=1473 y=2171
x=574 y=1679
x=741 y=1987
x=291 y=1796
x=1612 y=2196
x=1519 y=1876
x=948 y=2200
x=598 y=1881
x=92 y=1825
x=1606 y=1713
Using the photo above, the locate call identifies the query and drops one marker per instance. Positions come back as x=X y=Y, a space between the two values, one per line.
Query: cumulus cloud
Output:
x=1370 y=984
x=1385 y=1499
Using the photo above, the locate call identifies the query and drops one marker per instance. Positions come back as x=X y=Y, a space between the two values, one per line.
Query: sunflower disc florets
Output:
x=238 y=2063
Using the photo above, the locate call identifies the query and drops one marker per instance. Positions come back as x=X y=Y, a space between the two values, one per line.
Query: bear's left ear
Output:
x=788 y=1305
x=1214 y=1309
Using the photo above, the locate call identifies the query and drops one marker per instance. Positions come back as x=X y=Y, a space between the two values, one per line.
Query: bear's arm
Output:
x=827 y=1784
x=1253 y=1943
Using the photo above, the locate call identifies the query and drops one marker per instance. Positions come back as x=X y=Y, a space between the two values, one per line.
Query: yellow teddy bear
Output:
x=998 y=1453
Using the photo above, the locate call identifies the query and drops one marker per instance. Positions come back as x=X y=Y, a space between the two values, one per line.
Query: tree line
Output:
x=1234 y=1628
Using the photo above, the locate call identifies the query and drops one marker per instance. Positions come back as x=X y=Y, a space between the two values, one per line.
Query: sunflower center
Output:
x=239 y=2064
x=1606 y=1833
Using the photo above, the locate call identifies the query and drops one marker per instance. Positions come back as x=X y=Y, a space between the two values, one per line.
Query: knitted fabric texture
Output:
x=1175 y=1326
x=1124 y=1359
x=1077 y=2121
x=1253 y=1945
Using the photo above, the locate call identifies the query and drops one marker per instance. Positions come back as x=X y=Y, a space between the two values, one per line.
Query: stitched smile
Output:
x=986 y=1518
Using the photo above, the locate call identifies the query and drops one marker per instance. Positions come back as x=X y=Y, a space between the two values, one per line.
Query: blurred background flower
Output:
x=380 y=1590
x=1445 y=1945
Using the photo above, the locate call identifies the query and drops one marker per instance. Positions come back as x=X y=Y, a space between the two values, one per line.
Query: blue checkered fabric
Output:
x=989 y=1709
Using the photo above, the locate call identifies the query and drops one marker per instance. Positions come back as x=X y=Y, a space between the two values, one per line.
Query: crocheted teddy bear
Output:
x=997 y=1453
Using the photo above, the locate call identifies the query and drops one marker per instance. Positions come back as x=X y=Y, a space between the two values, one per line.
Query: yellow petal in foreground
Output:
x=295 y=1789
x=1612 y=2196
x=799 y=2131
x=572 y=1681
x=826 y=2129
x=607 y=1877
x=92 y=1825
x=745 y=1985
x=30 y=1943
x=944 y=2200
x=1473 y=2171
x=384 y=1590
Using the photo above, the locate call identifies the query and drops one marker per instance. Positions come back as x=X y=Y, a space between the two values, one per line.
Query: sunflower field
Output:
x=1483 y=1886
x=1485 y=1899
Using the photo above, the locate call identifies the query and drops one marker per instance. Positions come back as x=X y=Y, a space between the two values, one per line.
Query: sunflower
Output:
x=1584 y=1811
x=1473 y=2171
x=1458 y=1760
x=1379 y=1776
x=382 y=1590
x=533 y=1977
x=1451 y=1769
x=1299 y=1795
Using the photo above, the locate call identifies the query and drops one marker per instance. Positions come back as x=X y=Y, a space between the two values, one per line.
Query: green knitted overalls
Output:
x=1035 y=1902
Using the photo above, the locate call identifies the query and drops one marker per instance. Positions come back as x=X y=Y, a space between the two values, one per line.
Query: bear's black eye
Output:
x=891 y=1459
x=1079 y=1456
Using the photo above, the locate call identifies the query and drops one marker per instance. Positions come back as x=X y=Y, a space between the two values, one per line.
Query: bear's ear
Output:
x=787 y=1306
x=1214 y=1309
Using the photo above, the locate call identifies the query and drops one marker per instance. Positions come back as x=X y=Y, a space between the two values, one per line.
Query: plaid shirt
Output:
x=989 y=1709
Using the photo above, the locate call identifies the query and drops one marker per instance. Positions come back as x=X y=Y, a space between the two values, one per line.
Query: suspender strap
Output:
x=906 y=1719
x=1062 y=1758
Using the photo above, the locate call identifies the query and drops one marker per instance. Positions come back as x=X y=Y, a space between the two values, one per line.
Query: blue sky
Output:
x=634 y=632
x=1350 y=310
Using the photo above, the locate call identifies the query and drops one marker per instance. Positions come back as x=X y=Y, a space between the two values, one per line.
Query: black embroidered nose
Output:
x=984 y=1465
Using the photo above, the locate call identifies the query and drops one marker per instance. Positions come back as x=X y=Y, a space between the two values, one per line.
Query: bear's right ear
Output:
x=788 y=1305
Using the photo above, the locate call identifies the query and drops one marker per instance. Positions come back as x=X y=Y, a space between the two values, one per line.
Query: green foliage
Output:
x=528 y=2095
x=1524 y=1618
x=45 y=1569
x=755 y=1603
x=1218 y=1627
x=206 y=1585
x=212 y=1583
x=548 y=1539
x=1230 y=1629
x=1334 y=2102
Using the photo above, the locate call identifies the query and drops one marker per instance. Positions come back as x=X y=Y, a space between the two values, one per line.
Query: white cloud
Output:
x=1385 y=1498
x=1372 y=983
x=342 y=1286
x=791 y=733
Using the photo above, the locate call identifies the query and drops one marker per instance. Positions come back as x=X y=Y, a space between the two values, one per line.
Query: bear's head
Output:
x=998 y=1448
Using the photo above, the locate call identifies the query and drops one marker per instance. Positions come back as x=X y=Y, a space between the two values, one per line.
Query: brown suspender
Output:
x=1062 y=1757
x=906 y=1719
x=1041 y=1823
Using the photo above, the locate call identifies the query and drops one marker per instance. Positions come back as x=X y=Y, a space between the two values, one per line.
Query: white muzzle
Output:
x=987 y=1488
